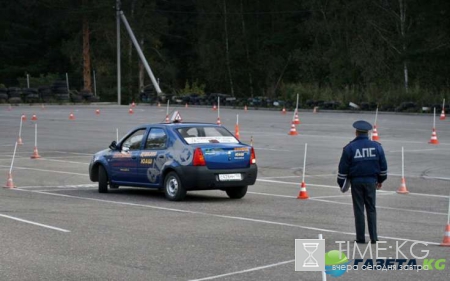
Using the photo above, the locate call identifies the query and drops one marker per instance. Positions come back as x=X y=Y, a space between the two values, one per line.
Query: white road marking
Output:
x=59 y=186
x=381 y=207
x=63 y=161
x=34 y=223
x=244 y=271
x=335 y=187
x=51 y=171
x=271 y=149
x=221 y=216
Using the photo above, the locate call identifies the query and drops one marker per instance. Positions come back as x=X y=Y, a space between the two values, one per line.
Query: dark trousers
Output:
x=364 y=194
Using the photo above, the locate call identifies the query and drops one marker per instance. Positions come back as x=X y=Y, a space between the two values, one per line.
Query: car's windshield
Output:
x=205 y=134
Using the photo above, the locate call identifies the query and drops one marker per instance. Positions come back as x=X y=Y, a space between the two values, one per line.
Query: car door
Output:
x=152 y=157
x=123 y=163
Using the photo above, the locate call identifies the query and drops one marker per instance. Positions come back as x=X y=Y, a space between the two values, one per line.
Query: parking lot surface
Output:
x=56 y=226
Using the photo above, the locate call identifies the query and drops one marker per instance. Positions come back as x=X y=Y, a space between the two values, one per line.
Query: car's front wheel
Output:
x=237 y=192
x=173 y=189
x=102 y=180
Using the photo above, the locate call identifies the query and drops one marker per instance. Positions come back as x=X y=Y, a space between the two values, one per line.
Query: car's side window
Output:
x=133 y=142
x=188 y=132
x=156 y=139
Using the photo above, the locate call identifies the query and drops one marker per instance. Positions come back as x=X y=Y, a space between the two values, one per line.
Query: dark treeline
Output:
x=382 y=51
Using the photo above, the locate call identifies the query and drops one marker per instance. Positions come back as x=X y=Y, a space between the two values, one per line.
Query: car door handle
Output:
x=133 y=157
x=161 y=156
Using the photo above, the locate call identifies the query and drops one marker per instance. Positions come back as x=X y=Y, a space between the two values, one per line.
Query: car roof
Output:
x=184 y=124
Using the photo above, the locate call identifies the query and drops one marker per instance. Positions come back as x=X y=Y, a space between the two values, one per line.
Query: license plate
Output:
x=230 y=177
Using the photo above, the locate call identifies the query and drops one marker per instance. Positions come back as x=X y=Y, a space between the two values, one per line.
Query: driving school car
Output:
x=177 y=157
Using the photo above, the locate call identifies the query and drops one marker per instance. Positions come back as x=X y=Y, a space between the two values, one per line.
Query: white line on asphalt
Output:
x=381 y=207
x=335 y=187
x=221 y=216
x=270 y=194
x=64 y=161
x=35 y=223
x=244 y=271
x=272 y=149
x=59 y=186
x=52 y=171
x=76 y=153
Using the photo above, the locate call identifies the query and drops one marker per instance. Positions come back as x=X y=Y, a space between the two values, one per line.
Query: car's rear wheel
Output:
x=102 y=180
x=237 y=192
x=173 y=189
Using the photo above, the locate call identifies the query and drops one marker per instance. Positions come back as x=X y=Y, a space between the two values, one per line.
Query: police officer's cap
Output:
x=362 y=126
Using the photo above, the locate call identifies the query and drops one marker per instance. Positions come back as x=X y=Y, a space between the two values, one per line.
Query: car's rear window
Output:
x=204 y=134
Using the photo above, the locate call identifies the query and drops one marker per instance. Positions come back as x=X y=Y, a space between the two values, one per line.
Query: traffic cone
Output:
x=303 y=194
x=71 y=116
x=315 y=109
x=442 y=117
x=236 y=131
x=167 y=119
x=214 y=107
x=433 y=139
x=446 y=241
x=186 y=105
x=19 y=141
x=218 y=121
x=34 y=117
x=9 y=182
x=35 y=153
x=245 y=108
x=293 y=131
x=42 y=107
x=375 y=136
x=97 y=111
x=283 y=111
x=296 y=120
x=130 y=111
x=133 y=104
x=402 y=189
x=9 y=108
x=159 y=104
x=24 y=117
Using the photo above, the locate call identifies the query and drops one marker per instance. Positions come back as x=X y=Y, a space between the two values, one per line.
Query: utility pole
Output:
x=118 y=52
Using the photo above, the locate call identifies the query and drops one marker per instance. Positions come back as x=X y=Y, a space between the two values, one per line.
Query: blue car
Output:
x=176 y=158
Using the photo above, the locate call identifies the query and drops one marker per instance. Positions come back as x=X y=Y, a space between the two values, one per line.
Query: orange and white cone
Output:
x=375 y=136
x=218 y=121
x=446 y=241
x=130 y=111
x=24 y=117
x=34 y=117
x=442 y=117
x=9 y=182
x=245 y=108
x=315 y=109
x=236 y=131
x=35 y=154
x=133 y=104
x=303 y=194
x=159 y=104
x=283 y=111
x=214 y=107
x=19 y=141
x=293 y=131
x=97 y=111
x=71 y=116
x=186 y=105
x=296 y=120
x=167 y=119
x=402 y=189
x=434 y=139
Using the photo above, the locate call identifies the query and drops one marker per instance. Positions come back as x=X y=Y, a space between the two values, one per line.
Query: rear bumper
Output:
x=202 y=178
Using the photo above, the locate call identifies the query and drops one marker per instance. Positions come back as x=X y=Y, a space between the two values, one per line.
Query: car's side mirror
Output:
x=113 y=145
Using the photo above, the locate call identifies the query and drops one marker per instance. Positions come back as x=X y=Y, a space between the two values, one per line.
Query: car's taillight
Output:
x=252 y=156
x=199 y=159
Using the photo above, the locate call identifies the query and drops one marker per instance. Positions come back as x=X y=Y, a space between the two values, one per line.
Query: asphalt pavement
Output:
x=56 y=226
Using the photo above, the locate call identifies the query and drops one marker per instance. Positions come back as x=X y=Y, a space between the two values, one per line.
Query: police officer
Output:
x=363 y=163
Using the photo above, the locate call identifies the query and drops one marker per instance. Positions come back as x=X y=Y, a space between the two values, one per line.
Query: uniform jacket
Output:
x=362 y=161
